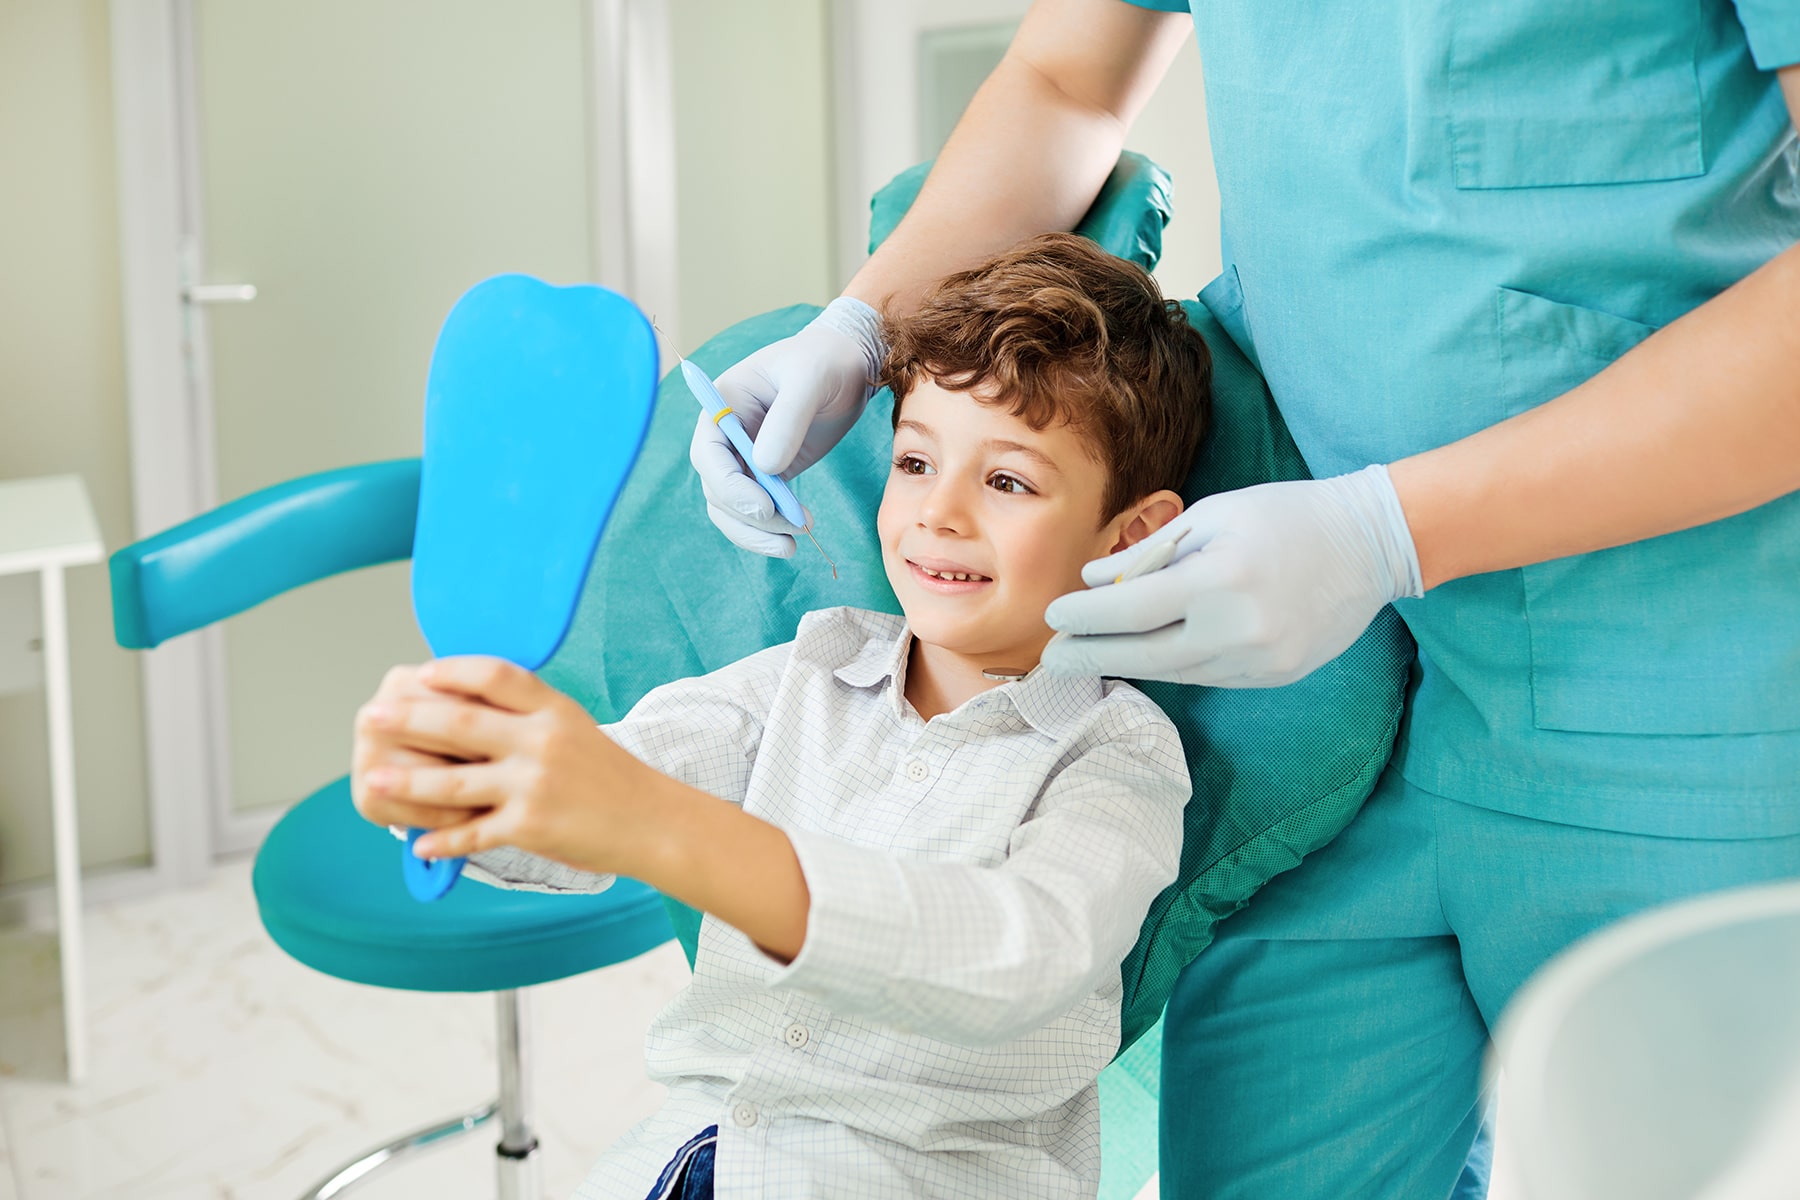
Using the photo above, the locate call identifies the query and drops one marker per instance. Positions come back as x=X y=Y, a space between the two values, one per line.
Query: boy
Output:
x=921 y=861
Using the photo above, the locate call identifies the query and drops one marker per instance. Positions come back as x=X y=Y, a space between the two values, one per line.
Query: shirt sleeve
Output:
x=1772 y=28
x=1161 y=5
x=982 y=955
x=703 y=731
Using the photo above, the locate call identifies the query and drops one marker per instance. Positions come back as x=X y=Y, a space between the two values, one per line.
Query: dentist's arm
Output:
x=1028 y=156
x=1035 y=144
x=1699 y=422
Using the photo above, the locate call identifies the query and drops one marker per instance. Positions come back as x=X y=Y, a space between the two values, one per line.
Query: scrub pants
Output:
x=1329 y=1045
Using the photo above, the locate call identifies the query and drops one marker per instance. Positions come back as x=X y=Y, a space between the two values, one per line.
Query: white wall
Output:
x=62 y=409
x=753 y=158
x=362 y=164
x=1172 y=131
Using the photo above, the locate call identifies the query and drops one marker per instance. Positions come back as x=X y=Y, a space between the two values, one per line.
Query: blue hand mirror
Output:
x=537 y=403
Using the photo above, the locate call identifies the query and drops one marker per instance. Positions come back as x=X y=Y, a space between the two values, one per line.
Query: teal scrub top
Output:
x=1437 y=215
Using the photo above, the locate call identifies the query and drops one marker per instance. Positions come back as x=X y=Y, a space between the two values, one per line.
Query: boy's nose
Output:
x=945 y=507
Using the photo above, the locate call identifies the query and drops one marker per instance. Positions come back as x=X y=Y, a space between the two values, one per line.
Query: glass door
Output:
x=360 y=165
x=335 y=175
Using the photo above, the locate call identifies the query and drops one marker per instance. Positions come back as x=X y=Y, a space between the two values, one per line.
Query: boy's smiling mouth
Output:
x=946 y=576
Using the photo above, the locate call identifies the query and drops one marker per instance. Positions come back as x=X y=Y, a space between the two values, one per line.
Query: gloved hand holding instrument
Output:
x=824 y=375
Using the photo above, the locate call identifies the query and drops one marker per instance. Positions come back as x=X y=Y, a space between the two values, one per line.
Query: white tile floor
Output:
x=224 y=1070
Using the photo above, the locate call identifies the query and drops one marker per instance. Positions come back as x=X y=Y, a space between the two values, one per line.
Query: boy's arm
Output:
x=978 y=955
x=714 y=856
x=703 y=731
x=973 y=954
x=983 y=955
x=548 y=800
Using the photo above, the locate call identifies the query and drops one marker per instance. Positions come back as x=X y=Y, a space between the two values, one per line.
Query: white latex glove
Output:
x=1268 y=584
x=797 y=398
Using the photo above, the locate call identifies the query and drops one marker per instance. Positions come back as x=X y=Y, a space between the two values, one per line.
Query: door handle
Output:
x=219 y=293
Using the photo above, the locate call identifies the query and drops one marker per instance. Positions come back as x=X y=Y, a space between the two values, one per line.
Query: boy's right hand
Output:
x=371 y=748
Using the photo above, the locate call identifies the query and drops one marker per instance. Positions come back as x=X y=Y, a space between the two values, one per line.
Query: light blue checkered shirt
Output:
x=975 y=880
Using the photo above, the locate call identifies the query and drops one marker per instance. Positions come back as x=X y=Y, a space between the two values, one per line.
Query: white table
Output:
x=47 y=526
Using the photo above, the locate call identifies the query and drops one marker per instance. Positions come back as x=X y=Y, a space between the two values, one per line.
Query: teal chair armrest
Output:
x=261 y=545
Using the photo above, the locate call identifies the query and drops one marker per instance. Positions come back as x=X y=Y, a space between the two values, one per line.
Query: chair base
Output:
x=516 y=1162
x=374 y=1162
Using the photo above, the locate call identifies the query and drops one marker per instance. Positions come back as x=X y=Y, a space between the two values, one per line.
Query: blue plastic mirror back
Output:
x=537 y=403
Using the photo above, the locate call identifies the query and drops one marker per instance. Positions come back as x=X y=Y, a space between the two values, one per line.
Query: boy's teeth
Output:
x=950 y=574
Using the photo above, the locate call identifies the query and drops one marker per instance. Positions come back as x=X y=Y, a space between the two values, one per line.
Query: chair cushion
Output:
x=329 y=890
x=1277 y=772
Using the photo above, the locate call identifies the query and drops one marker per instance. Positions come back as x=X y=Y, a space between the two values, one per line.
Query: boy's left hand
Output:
x=552 y=783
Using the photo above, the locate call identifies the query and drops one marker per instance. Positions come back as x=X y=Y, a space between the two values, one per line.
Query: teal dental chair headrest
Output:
x=1277 y=772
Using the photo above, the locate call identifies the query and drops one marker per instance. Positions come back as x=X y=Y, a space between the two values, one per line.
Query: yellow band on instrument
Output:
x=721 y=414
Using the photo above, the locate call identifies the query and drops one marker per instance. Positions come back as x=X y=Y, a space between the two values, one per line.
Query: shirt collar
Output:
x=1051 y=704
x=1054 y=704
x=882 y=656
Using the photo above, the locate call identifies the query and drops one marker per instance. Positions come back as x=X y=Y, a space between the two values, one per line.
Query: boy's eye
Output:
x=912 y=464
x=1003 y=482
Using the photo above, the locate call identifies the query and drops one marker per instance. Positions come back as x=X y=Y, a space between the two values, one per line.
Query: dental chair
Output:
x=1276 y=772
x=1660 y=1058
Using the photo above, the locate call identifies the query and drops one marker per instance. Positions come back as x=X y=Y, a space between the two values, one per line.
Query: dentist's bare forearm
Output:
x=1022 y=161
x=1034 y=146
x=713 y=856
x=1699 y=422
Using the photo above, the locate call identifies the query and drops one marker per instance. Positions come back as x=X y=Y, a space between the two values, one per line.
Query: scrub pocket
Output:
x=1550 y=93
x=1696 y=632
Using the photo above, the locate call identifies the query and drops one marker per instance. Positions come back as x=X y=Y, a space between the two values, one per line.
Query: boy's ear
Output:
x=1145 y=517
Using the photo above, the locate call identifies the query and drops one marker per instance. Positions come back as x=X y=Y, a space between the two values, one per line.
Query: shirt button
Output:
x=744 y=1114
x=917 y=771
x=797 y=1035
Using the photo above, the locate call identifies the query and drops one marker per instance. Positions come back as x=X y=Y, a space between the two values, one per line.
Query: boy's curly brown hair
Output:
x=1058 y=330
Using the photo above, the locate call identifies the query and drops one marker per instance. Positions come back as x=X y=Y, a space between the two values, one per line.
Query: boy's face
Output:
x=977 y=491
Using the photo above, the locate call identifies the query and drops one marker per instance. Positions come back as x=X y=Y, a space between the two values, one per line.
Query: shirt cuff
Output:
x=517 y=871
x=858 y=921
